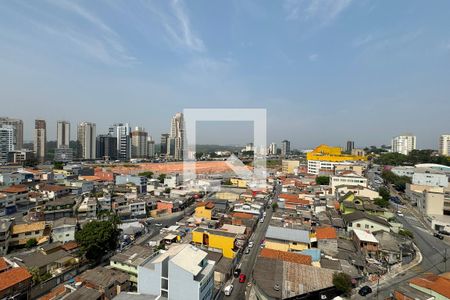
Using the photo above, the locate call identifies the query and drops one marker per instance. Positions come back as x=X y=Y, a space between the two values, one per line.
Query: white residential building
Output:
x=7 y=204
x=87 y=140
x=403 y=171
x=137 y=208
x=444 y=145
x=404 y=144
x=63 y=230
x=17 y=125
x=273 y=149
x=6 y=142
x=62 y=134
x=315 y=166
x=122 y=132
x=429 y=177
x=347 y=178
x=182 y=272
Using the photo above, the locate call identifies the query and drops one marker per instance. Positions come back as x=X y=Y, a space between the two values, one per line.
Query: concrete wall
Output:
x=149 y=280
x=364 y=224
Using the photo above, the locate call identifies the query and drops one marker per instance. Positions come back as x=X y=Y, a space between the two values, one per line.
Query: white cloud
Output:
x=177 y=24
x=313 y=57
x=322 y=11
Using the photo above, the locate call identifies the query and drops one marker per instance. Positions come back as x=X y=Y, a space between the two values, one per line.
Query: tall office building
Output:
x=285 y=148
x=164 y=142
x=6 y=142
x=40 y=139
x=273 y=149
x=139 y=144
x=106 y=147
x=444 y=145
x=62 y=134
x=176 y=136
x=404 y=143
x=17 y=126
x=122 y=132
x=150 y=147
x=350 y=146
x=87 y=140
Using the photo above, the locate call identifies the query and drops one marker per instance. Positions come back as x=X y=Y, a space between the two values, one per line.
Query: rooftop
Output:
x=22 y=228
x=358 y=215
x=287 y=234
x=286 y=256
x=189 y=259
x=83 y=293
x=437 y=283
x=103 y=277
x=323 y=233
x=365 y=236
x=12 y=277
x=135 y=255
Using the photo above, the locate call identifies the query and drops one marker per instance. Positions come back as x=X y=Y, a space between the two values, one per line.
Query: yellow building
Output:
x=333 y=154
x=216 y=240
x=204 y=210
x=287 y=239
x=238 y=182
x=289 y=166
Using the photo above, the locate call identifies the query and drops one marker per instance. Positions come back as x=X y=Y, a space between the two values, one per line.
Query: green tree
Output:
x=31 y=243
x=96 y=238
x=161 y=177
x=384 y=193
x=381 y=202
x=406 y=233
x=343 y=282
x=323 y=180
x=167 y=190
x=274 y=206
x=58 y=165
x=147 y=174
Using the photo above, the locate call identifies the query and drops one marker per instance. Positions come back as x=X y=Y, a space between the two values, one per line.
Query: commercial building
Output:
x=403 y=143
x=122 y=132
x=182 y=272
x=63 y=154
x=429 y=177
x=216 y=240
x=40 y=139
x=87 y=140
x=6 y=142
x=150 y=147
x=347 y=178
x=164 y=142
x=350 y=146
x=139 y=145
x=177 y=136
x=289 y=166
x=20 y=156
x=62 y=134
x=139 y=181
x=106 y=147
x=444 y=145
x=18 y=130
x=325 y=158
x=273 y=149
x=285 y=148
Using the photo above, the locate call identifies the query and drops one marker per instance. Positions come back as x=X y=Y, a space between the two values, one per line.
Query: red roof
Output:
x=298 y=201
x=323 y=233
x=70 y=245
x=53 y=188
x=288 y=197
x=13 y=277
x=286 y=256
x=3 y=264
x=242 y=215
x=208 y=205
x=19 y=188
x=436 y=283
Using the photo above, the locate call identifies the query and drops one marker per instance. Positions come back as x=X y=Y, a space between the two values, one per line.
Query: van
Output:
x=228 y=289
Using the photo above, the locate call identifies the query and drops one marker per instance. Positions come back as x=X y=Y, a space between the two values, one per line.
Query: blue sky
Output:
x=326 y=70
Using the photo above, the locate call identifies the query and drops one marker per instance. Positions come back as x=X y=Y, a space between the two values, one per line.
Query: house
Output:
x=7 y=204
x=5 y=235
x=390 y=249
x=287 y=239
x=357 y=190
x=88 y=208
x=350 y=203
x=109 y=282
x=59 y=208
x=21 y=233
x=363 y=221
x=347 y=178
x=182 y=272
x=436 y=286
x=137 y=207
x=204 y=210
x=15 y=282
x=20 y=193
x=327 y=240
x=54 y=191
x=140 y=182
x=286 y=256
x=129 y=260
x=48 y=259
x=63 y=230
x=216 y=240
x=365 y=242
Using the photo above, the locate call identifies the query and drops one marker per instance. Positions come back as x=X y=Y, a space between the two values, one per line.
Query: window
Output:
x=358 y=225
x=367 y=226
x=27 y=233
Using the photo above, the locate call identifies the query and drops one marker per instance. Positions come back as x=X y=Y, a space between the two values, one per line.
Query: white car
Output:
x=228 y=289
x=400 y=214
x=250 y=244
x=159 y=224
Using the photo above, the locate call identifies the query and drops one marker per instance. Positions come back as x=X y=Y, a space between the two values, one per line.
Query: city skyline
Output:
x=377 y=65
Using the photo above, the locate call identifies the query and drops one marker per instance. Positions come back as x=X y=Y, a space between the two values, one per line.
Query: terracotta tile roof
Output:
x=286 y=256
x=21 y=228
x=208 y=204
x=323 y=233
x=242 y=215
x=19 y=188
x=3 y=264
x=298 y=201
x=90 y=178
x=53 y=188
x=70 y=245
x=13 y=277
x=55 y=293
x=288 y=197
x=436 y=283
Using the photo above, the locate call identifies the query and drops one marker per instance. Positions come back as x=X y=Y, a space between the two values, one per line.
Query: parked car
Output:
x=242 y=278
x=247 y=250
x=236 y=272
x=365 y=290
x=158 y=224
x=400 y=214
x=250 y=244
x=228 y=289
x=438 y=235
x=444 y=232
